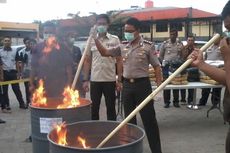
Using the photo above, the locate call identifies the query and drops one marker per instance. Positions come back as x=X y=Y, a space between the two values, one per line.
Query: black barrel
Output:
x=42 y=120
x=129 y=139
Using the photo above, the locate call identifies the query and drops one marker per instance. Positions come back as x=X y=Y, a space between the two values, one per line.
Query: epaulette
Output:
x=114 y=36
x=148 y=42
x=125 y=42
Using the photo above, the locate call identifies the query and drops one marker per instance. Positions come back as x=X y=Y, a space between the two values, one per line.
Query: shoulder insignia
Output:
x=148 y=42
x=114 y=36
x=124 y=42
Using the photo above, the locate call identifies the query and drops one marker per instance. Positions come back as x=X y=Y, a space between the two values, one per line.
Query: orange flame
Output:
x=51 y=43
x=38 y=98
x=71 y=98
x=83 y=142
x=61 y=131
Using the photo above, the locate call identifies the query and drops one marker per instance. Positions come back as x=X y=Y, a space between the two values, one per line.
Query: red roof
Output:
x=168 y=13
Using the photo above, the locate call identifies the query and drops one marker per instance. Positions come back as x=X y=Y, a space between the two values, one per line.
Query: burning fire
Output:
x=71 y=98
x=83 y=142
x=51 y=43
x=61 y=134
x=38 y=98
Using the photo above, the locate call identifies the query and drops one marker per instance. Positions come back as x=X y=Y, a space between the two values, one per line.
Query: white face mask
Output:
x=47 y=35
x=71 y=40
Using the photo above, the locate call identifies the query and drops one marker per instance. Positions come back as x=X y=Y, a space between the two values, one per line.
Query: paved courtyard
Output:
x=182 y=130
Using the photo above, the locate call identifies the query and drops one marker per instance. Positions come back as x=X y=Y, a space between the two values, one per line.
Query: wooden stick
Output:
x=81 y=62
x=156 y=91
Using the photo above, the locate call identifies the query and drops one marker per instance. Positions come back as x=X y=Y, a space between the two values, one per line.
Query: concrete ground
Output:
x=182 y=130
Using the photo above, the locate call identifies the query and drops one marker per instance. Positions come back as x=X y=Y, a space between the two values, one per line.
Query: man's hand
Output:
x=93 y=32
x=197 y=57
x=118 y=86
x=85 y=86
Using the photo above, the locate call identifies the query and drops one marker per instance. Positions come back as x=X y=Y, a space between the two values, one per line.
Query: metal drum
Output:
x=129 y=139
x=43 y=120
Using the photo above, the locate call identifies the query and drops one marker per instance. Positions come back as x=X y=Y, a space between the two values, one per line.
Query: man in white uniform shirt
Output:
x=103 y=71
x=8 y=56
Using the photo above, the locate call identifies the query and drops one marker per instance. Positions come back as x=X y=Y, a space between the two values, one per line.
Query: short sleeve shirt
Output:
x=8 y=58
x=136 y=59
x=103 y=69
x=213 y=53
x=25 y=56
x=170 y=51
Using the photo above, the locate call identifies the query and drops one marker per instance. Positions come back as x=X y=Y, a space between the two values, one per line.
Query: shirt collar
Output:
x=7 y=48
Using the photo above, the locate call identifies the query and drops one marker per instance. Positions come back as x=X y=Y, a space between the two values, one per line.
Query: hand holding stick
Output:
x=156 y=91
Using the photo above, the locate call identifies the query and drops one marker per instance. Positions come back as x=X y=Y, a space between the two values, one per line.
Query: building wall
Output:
x=18 y=31
x=201 y=31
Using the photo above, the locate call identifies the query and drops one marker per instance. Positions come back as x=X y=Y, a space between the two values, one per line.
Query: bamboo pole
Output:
x=81 y=62
x=156 y=91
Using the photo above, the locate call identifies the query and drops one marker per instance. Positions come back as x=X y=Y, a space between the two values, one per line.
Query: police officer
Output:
x=170 y=50
x=8 y=56
x=212 y=53
x=137 y=55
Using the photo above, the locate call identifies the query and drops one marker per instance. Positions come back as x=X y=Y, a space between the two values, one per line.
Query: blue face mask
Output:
x=129 y=36
x=101 y=29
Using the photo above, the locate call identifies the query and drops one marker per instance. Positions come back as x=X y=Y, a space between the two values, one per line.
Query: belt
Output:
x=10 y=70
x=134 y=80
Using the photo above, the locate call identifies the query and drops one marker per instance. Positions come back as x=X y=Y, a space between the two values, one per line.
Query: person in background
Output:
x=8 y=56
x=213 y=53
x=75 y=52
x=24 y=64
x=171 y=50
x=51 y=62
x=1 y=90
x=103 y=71
x=220 y=75
x=188 y=48
x=137 y=54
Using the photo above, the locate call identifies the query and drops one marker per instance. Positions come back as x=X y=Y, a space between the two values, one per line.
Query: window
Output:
x=177 y=25
x=161 y=27
x=145 y=28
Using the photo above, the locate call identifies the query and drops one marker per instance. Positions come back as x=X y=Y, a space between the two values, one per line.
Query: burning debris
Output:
x=70 y=100
x=39 y=99
x=61 y=134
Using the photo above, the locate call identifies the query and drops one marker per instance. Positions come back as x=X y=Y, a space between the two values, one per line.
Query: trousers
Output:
x=132 y=95
x=108 y=90
x=8 y=76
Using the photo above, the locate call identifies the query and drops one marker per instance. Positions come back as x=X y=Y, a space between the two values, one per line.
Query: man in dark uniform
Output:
x=51 y=62
x=8 y=56
x=75 y=53
x=137 y=55
x=221 y=76
x=24 y=64
x=171 y=50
